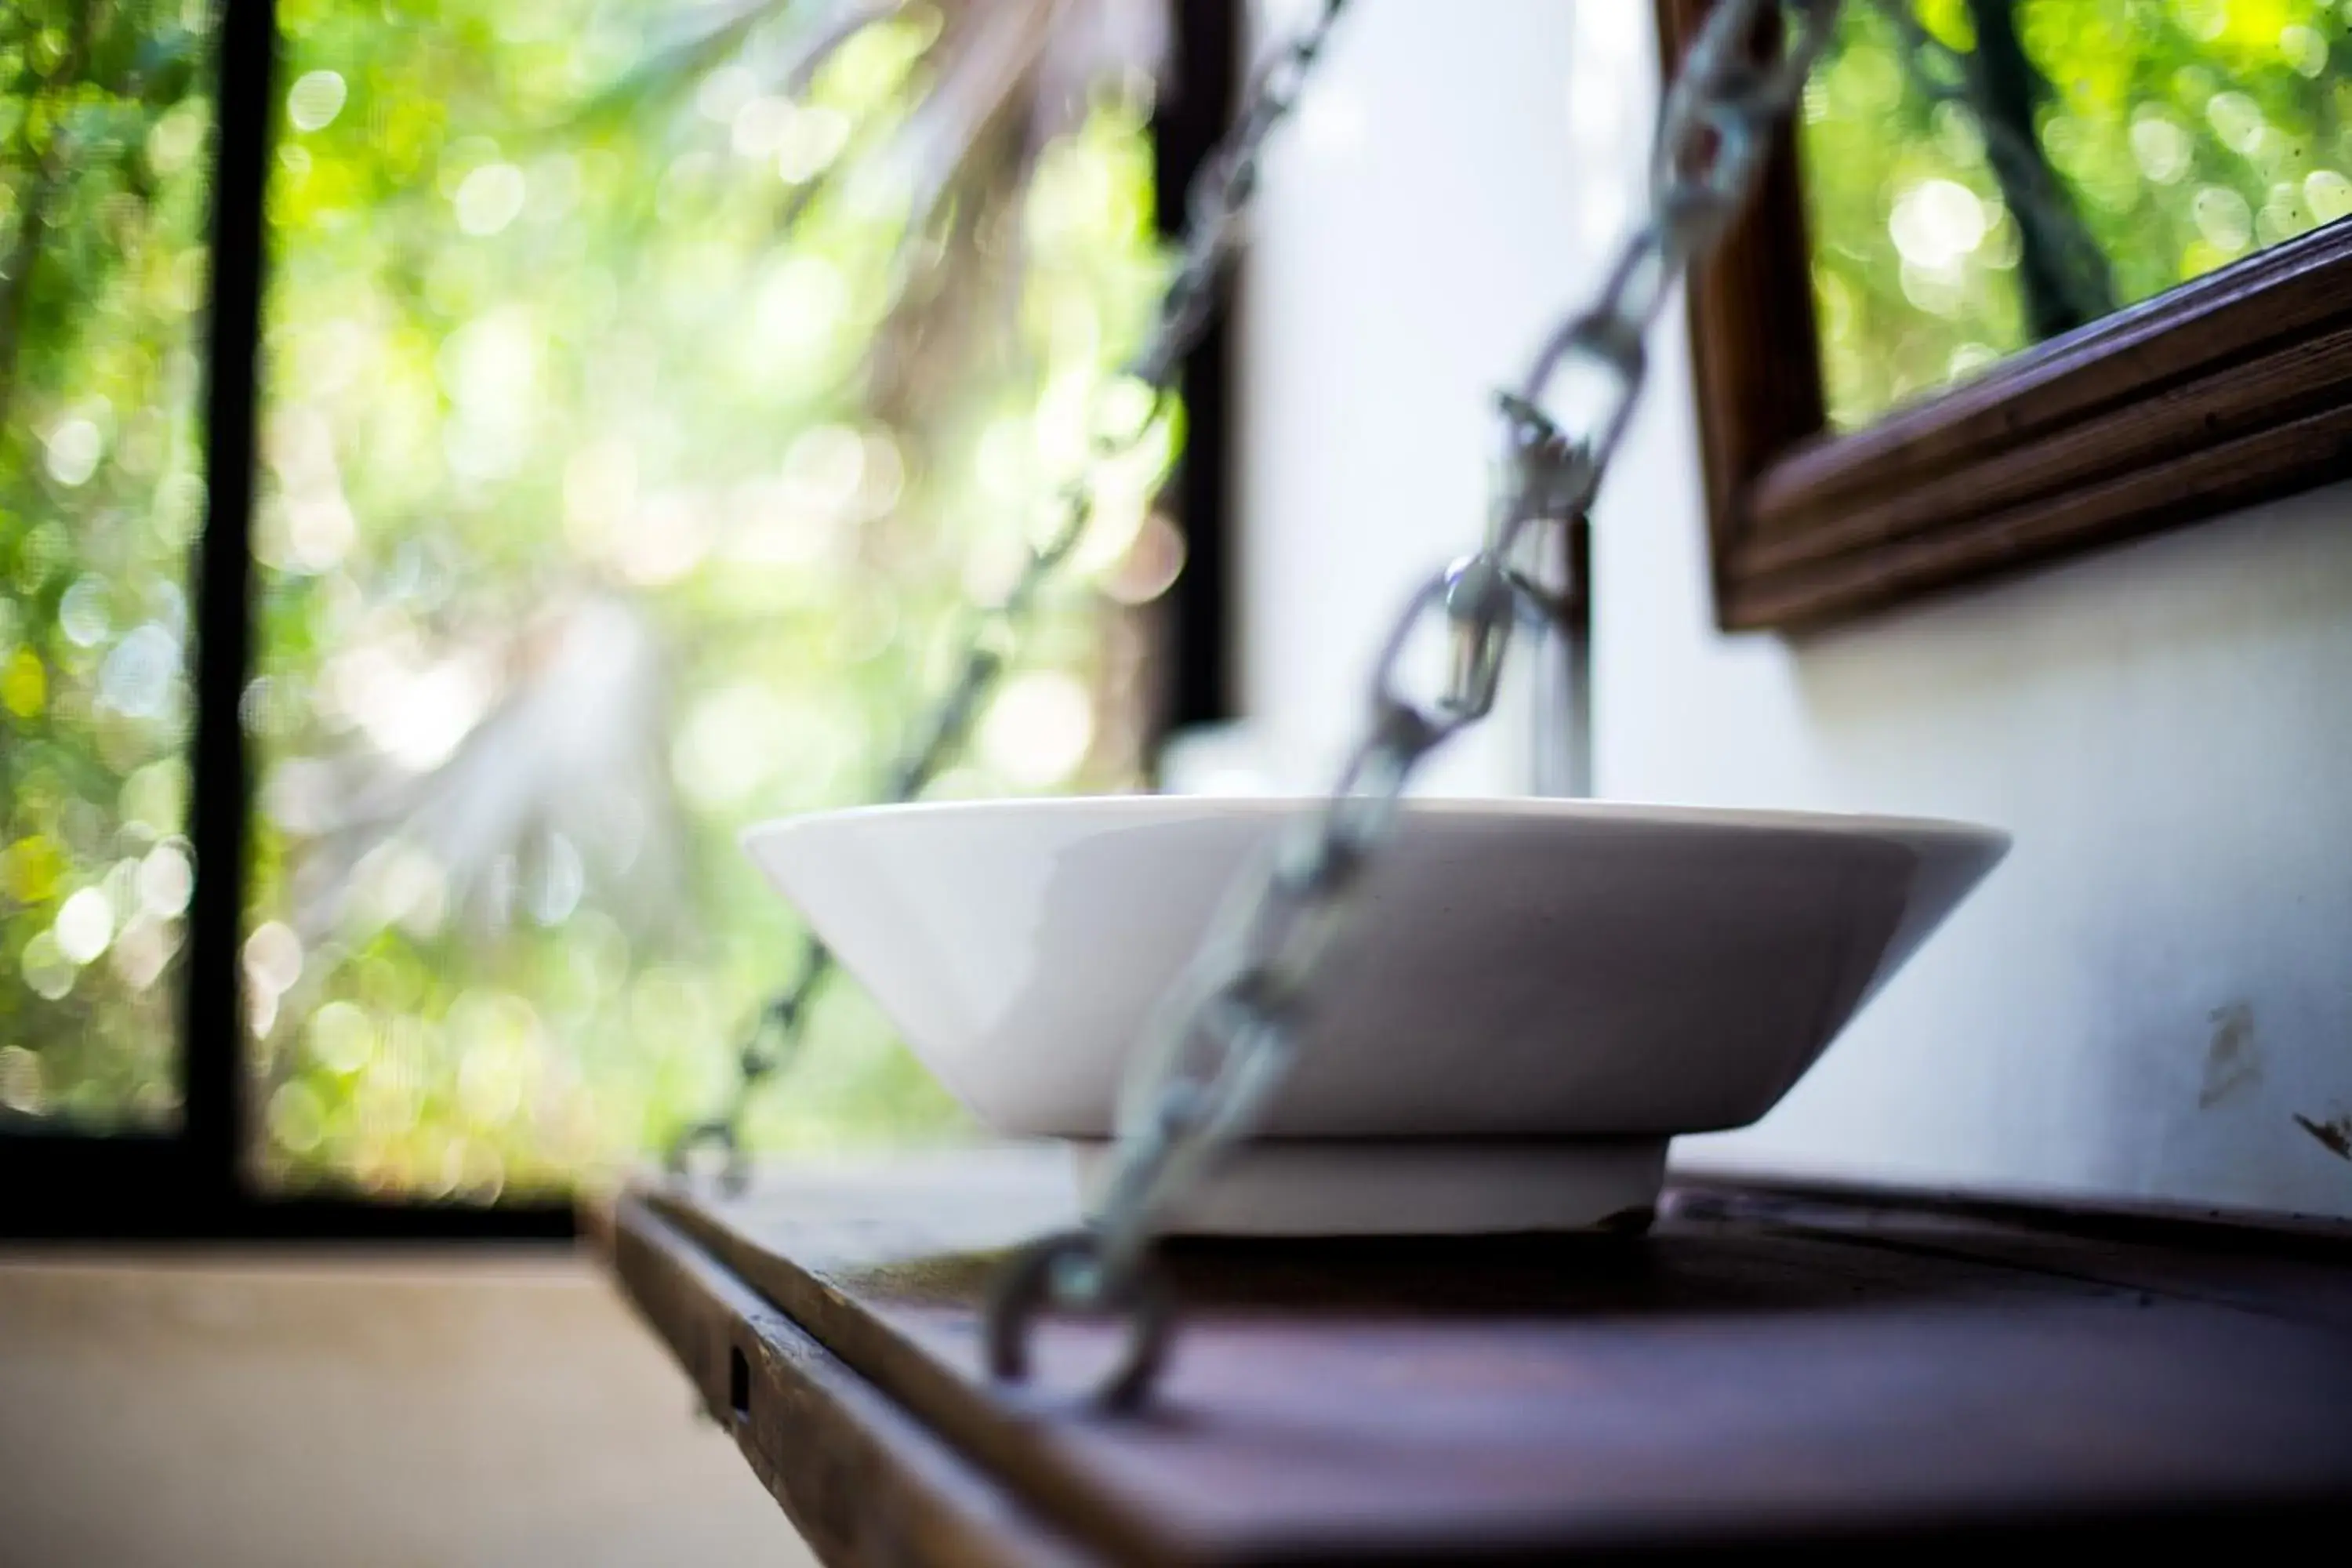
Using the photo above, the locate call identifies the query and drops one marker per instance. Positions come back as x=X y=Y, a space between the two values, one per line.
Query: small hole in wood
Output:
x=738 y=1382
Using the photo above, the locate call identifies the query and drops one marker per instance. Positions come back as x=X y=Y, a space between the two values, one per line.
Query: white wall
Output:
x=2158 y=982
x=1375 y=324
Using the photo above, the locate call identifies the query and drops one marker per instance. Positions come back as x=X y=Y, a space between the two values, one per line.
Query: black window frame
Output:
x=196 y=1183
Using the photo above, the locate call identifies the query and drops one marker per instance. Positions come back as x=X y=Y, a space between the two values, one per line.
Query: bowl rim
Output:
x=1534 y=808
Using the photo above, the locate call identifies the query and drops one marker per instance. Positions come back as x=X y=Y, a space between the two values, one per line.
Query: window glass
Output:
x=626 y=467
x=106 y=144
x=1983 y=174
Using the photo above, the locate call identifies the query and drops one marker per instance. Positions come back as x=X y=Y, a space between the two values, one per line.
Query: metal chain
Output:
x=1222 y=1040
x=1125 y=410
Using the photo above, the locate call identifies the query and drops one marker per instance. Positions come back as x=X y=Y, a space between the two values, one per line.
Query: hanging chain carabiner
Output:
x=1127 y=410
x=1221 y=1041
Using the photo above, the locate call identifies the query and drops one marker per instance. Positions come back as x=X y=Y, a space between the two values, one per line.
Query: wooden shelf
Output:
x=1765 y=1367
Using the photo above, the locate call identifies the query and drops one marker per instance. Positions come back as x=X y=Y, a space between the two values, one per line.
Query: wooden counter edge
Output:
x=865 y=1483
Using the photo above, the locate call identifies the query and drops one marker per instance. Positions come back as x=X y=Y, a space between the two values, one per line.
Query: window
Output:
x=596 y=467
x=2029 y=276
x=106 y=125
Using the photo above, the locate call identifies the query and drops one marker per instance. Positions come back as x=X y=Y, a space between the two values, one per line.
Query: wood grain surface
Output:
x=1760 y=1369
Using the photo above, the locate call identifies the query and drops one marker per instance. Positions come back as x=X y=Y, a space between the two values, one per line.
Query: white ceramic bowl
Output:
x=1537 y=972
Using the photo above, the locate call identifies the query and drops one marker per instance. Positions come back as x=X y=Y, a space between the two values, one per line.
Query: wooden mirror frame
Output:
x=2231 y=389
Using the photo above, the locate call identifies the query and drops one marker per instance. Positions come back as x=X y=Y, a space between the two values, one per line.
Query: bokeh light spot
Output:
x=490 y=197
x=314 y=100
x=71 y=452
x=298 y=1118
x=1936 y=222
x=22 y=1090
x=23 y=684
x=2328 y=194
x=342 y=1037
x=82 y=612
x=809 y=141
x=1039 y=727
x=48 y=972
x=138 y=675
x=85 y=925
x=273 y=957
x=2224 y=220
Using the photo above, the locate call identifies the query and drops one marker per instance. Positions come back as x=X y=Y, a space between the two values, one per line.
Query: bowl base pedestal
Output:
x=1412 y=1186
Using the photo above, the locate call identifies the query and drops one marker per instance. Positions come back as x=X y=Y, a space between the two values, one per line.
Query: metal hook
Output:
x=1042 y=1275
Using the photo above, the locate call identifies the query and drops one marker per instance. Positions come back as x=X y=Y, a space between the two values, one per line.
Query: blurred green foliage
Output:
x=105 y=135
x=626 y=464
x=2172 y=136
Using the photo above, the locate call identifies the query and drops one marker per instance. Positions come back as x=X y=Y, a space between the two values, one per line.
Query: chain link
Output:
x=1223 y=1039
x=1125 y=412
